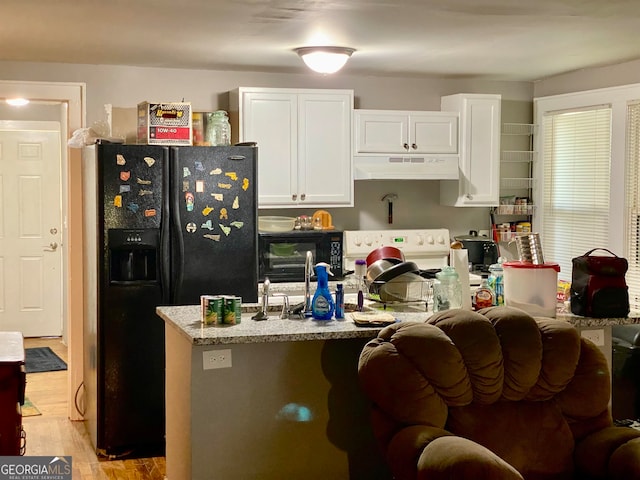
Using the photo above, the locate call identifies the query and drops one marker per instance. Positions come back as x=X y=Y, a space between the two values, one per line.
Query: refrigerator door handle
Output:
x=177 y=241
x=165 y=228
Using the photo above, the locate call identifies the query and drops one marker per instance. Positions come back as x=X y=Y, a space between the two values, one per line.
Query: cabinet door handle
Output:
x=414 y=146
x=469 y=196
x=303 y=197
x=294 y=197
x=406 y=146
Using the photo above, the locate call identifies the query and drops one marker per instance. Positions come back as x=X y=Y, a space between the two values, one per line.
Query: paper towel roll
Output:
x=459 y=260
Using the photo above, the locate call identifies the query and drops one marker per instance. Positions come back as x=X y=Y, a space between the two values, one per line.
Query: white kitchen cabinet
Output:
x=406 y=132
x=479 y=182
x=304 y=144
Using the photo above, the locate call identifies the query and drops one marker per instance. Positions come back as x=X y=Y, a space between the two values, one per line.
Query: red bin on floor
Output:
x=12 y=386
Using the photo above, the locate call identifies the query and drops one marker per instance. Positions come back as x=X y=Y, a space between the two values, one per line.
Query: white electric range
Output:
x=427 y=248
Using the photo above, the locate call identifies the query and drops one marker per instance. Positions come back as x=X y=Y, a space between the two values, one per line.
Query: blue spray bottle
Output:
x=322 y=305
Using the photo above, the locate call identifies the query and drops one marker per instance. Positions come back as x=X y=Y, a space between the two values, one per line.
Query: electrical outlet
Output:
x=216 y=359
x=596 y=336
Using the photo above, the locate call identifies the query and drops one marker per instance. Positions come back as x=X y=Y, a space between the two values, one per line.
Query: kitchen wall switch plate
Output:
x=596 y=336
x=216 y=359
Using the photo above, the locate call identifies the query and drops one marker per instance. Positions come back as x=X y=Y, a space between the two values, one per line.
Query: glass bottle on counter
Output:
x=360 y=272
x=496 y=281
x=447 y=290
x=218 y=129
x=484 y=296
x=339 y=301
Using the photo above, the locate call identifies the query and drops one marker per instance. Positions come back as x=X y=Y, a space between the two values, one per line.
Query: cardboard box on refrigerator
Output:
x=165 y=123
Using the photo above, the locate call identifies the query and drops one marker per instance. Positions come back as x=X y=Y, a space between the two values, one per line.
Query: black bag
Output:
x=598 y=286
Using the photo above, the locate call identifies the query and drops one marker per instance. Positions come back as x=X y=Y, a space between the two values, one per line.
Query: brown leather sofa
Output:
x=494 y=395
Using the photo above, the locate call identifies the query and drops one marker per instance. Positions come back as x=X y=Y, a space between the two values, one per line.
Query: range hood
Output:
x=408 y=167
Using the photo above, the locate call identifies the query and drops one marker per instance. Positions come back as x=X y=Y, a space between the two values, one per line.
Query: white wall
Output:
x=417 y=206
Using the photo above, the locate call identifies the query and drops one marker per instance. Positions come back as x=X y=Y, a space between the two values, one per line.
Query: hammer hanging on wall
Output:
x=389 y=197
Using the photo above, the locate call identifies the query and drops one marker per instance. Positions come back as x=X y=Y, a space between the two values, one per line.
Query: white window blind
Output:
x=576 y=170
x=632 y=203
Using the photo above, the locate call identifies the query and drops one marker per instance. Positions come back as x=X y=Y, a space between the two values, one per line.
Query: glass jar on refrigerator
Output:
x=218 y=129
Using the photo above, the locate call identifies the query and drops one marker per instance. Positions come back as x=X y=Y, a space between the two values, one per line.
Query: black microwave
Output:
x=281 y=256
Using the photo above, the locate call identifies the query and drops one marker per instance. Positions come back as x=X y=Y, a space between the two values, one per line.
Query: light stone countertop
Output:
x=186 y=319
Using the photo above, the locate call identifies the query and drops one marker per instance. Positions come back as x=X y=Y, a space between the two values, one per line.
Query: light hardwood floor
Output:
x=52 y=433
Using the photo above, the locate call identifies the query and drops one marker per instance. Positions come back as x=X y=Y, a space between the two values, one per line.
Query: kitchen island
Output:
x=288 y=406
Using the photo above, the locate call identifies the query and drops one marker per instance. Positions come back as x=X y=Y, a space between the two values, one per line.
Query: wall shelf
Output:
x=518 y=183
x=517 y=159
x=518 y=129
x=517 y=156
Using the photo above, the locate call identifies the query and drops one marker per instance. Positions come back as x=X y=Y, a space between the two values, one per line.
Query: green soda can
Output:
x=212 y=309
x=232 y=310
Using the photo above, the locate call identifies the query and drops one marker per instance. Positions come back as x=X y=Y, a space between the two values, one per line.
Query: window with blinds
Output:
x=632 y=190
x=576 y=170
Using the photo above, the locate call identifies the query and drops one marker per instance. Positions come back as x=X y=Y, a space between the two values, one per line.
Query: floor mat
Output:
x=42 y=359
x=29 y=409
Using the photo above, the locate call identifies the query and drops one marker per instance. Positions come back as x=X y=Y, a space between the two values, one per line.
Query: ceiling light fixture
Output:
x=17 y=102
x=325 y=59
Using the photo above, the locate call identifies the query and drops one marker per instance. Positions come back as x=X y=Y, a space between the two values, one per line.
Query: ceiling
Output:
x=484 y=39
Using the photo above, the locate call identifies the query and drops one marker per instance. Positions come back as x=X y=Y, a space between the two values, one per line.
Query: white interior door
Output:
x=30 y=228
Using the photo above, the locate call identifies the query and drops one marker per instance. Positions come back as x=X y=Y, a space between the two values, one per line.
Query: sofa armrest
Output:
x=430 y=453
x=613 y=453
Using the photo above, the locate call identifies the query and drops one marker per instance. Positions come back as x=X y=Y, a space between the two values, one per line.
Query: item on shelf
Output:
x=218 y=129
x=521 y=205
x=303 y=222
x=275 y=224
x=322 y=220
x=164 y=123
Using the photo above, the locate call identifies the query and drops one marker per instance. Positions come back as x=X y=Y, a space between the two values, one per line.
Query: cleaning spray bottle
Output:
x=322 y=305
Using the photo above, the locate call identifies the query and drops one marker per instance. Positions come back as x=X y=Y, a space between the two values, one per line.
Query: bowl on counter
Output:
x=384 y=253
x=378 y=267
x=275 y=224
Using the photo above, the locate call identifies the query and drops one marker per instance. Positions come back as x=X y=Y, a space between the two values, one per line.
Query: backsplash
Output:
x=417 y=206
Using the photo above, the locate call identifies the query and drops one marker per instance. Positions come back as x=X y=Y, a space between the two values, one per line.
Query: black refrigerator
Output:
x=170 y=224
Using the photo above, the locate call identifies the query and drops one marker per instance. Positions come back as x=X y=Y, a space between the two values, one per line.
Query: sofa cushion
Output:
x=533 y=437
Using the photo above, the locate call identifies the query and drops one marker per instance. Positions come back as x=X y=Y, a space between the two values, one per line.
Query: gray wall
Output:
x=589 y=79
x=418 y=206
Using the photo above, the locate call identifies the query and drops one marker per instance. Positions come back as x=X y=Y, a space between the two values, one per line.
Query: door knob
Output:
x=52 y=247
x=414 y=146
x=53 y=231
x=406 y=146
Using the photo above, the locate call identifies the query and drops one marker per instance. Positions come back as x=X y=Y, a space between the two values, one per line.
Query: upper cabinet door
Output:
x=405 y=132
x=433 y=132
x=304 y=144
x=324 y=149
x=378 y=131
x=271 y=120
x=479 y=183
